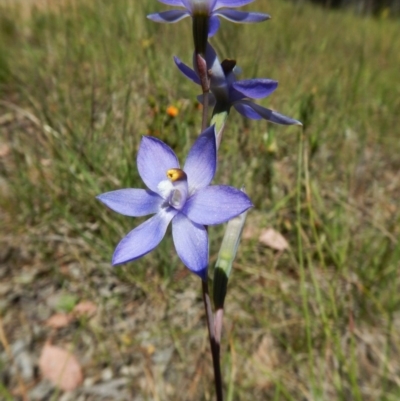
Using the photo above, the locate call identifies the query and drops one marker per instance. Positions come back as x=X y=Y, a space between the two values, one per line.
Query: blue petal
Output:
x=255 y=88
x=213 y=26
x=234 y=95
x=191 y=244
x=270 y=115
x=211 y=4
x=218 y=82
x=177 y=3
x=132 y=202
x=187 y=4
x=231 y=3
x=241 y=16
x=246 y=111
x=211 y=99
x=201 y=162
x=187 y=71
x=143 y=238
x=169 y=16
x=216 y=204
x=154 y=159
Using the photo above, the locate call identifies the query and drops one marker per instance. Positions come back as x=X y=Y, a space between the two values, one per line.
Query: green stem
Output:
x=303 y=288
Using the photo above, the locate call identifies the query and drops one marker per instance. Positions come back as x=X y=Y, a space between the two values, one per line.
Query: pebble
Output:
x=23 y=359
x=114 y=389
x=41 y=391
x=107 y=374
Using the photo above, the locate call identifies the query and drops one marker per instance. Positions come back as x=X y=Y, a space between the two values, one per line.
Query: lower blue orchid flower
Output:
x=226 y=91
x=182 y=196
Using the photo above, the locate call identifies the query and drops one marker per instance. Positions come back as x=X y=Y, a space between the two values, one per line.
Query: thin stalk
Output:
x=205 y=86
x=205 y=111
x=303 y=289
x=214 y=344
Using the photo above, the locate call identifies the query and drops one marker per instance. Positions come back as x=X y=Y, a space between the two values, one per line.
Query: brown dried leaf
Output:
x=250 y=232
x=85 y=308
x=60 y=367
x=273 y=239
x=59 y=320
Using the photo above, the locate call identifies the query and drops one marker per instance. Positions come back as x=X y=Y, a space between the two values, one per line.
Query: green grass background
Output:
x=79 y=85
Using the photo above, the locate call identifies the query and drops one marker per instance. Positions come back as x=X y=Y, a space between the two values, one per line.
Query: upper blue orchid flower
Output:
x=205 y=15
x=210 y=8
x=182 y=196
x=226 y=91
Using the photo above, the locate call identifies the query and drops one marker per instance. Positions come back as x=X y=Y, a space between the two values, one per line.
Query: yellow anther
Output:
x=176 y=174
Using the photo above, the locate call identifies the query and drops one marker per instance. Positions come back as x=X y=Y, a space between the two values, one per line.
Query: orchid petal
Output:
x=188 y=4
x=255 y=88
x=187 y=71
x=168 y=17
x=191 y=244
x=234 y=95
x=211 y=99
x=246 y=111
x=241 y=16
x=154 y=159
x=213 y=26
x=216 y=204
x=143 y=238
x=230 y=3
x=211 y=4
x=176 y=3
x=201 y=162
x=132 y=202
x=270 y=115
x=218 y=83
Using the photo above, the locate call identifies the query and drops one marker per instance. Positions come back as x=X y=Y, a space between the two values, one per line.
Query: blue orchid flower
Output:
x=226 y=91
x=182 y=196
x=208 y=8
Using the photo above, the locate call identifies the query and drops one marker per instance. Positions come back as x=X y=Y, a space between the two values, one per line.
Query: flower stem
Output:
x=205 y=86
x=214 y=342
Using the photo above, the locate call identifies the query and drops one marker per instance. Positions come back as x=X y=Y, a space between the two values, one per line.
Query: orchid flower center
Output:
x=228 y=65
x=230 y=70
x=175 y=188
x=200 y=7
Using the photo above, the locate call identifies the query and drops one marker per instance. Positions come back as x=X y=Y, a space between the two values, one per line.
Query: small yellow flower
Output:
x=172 y=111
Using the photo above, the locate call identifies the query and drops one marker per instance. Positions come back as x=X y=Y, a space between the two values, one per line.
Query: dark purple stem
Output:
x=214 y=343
x=205 y=86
